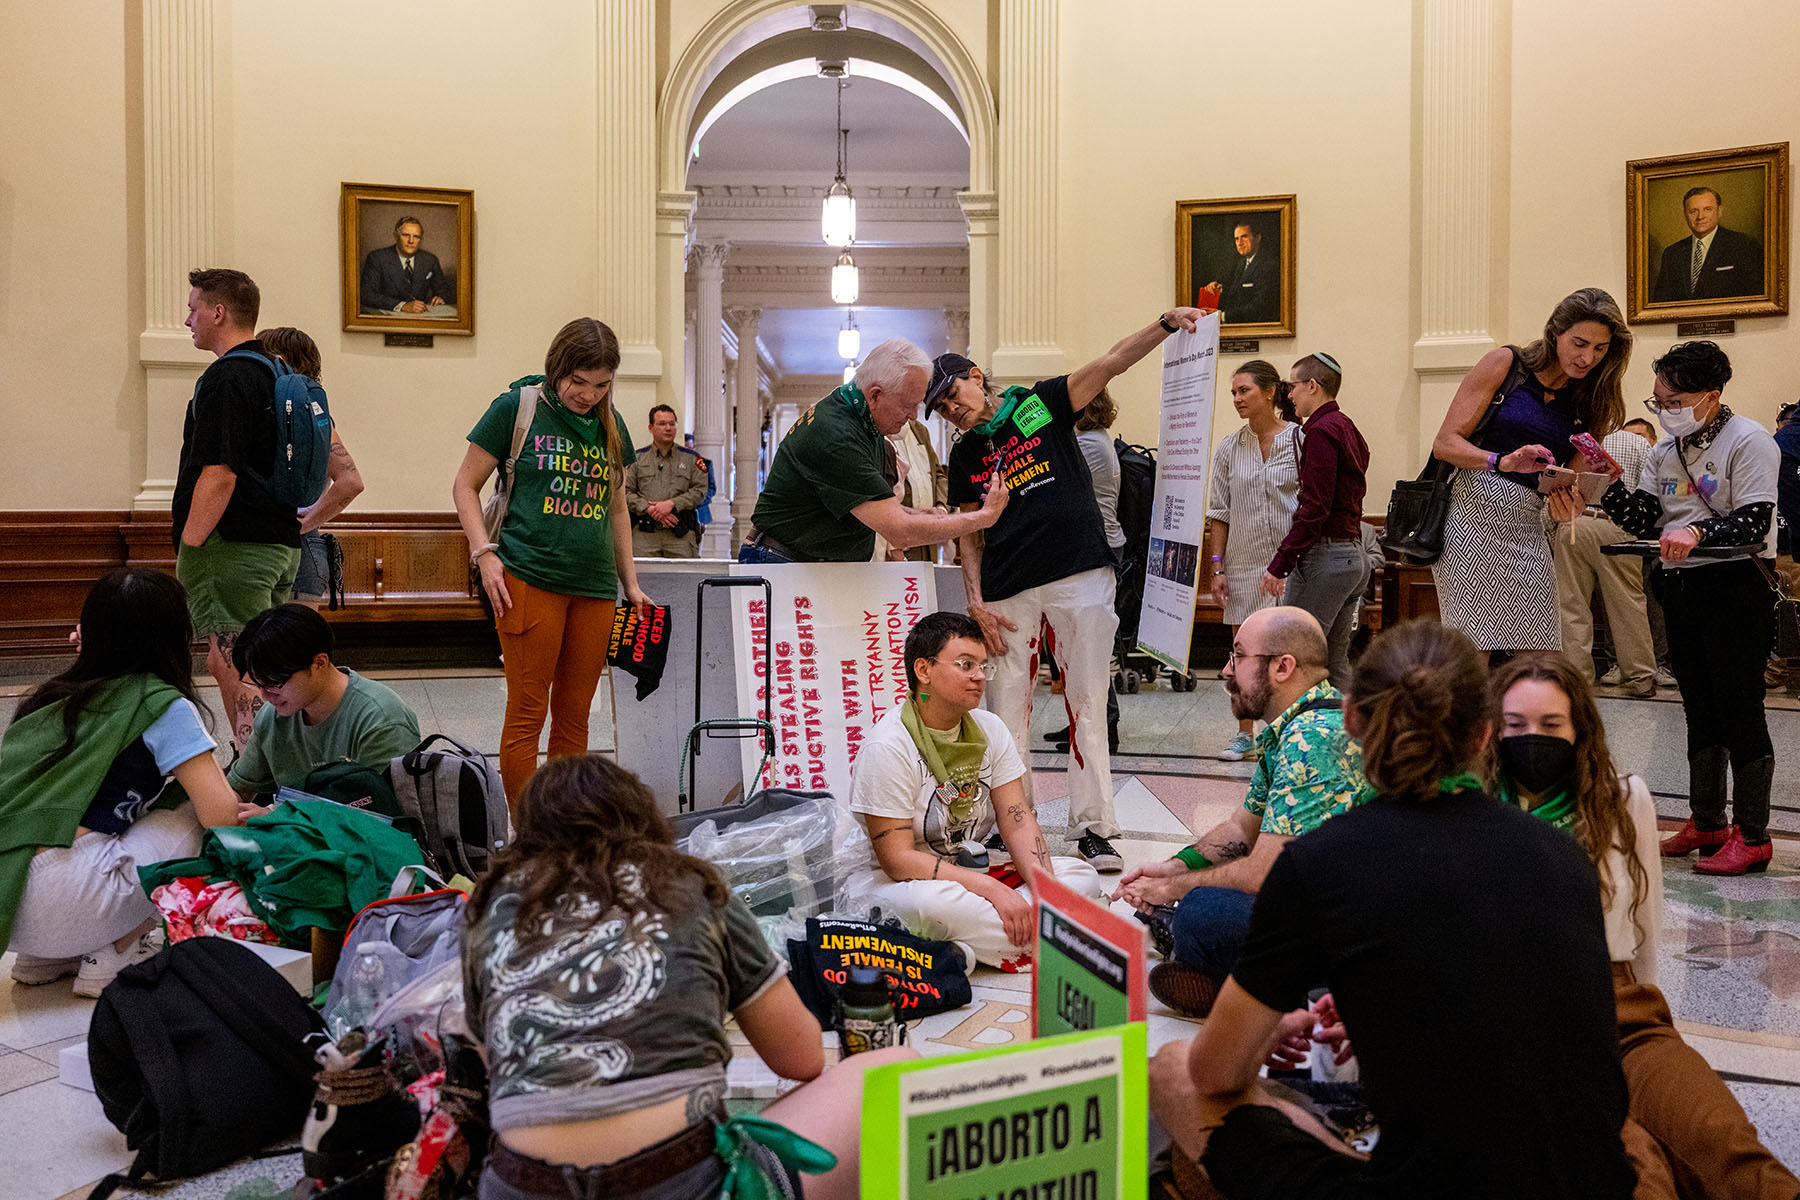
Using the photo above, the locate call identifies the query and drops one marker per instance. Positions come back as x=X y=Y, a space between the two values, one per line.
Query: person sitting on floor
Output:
x=1198 y=903
x=83 y=770
x=314 y=712
x=1429 y=912
x=933 y=780
x=599 y=967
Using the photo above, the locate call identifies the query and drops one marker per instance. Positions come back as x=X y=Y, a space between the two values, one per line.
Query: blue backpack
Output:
x=302 y=433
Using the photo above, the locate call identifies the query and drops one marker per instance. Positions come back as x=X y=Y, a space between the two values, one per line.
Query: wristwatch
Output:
x=1164 y=322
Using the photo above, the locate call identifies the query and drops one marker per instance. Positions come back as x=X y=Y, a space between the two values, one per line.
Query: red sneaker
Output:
x=1688 y=839
x=1736 y=857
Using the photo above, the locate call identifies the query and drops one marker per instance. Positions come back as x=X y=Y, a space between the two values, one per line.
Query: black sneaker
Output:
x=1159 y=921
x=1099 y=853
x=1057 y=735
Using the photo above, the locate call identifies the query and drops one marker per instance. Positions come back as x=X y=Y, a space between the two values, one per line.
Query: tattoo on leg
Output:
x=704 y=1101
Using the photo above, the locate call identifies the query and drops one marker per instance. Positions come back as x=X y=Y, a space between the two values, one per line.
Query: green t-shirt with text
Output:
x=371 y=725
x=558 y=533
x=830 y=462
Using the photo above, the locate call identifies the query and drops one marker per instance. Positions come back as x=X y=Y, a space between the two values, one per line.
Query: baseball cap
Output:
x=946 y=369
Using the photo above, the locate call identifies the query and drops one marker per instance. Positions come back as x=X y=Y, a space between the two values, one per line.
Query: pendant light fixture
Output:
x=837 y=220
x=849 y=339
x=844 y=280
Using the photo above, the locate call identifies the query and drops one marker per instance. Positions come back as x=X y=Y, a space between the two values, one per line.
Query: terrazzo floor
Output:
x=1729 y=961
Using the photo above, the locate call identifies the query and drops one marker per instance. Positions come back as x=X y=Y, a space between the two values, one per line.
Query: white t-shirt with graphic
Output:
x=890 y=779
x=1740 y=466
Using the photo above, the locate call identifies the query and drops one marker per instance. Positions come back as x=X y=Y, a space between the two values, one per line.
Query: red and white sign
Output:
x=838 y=664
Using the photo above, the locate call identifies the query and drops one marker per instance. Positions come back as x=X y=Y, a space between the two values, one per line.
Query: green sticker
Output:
x=1032 y=415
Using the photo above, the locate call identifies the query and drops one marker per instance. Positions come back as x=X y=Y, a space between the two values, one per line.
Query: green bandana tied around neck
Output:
x=1009 y=400
x=1558 y=809
x=852 y=398
x=957 y=763
x=1449 y=785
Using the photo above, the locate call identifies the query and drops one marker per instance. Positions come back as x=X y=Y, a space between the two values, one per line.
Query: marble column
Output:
x=748 y=442
x=710 y=416
x=625 y=188
x=1025 y=283
x=674 y=238
x=1464 y=95
x=180 y=222
x=956 y=330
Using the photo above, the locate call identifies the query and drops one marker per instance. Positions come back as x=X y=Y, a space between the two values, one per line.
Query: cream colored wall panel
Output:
x=1183 y=102
x=1623 y=93
x=499 y=99
x=71 y=392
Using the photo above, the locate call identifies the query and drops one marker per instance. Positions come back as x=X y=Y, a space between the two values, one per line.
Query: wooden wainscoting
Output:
x=398 y=568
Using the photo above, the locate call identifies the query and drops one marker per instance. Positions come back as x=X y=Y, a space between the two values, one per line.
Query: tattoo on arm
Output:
x=1224 y=852
x=1040 y=853
x=1016 y=812
x=891 y=830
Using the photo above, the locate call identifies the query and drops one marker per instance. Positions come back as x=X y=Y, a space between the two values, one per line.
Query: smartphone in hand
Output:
x=1590 y=448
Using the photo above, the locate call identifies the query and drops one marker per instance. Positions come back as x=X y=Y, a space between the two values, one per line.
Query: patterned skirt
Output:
x=1495 y=581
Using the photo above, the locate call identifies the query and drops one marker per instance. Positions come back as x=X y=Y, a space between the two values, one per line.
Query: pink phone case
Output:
x=1589 y=446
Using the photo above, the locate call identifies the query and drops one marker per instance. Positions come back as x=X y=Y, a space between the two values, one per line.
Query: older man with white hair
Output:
x=831 y=488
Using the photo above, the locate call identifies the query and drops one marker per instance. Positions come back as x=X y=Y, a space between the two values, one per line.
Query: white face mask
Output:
x=1678 y=422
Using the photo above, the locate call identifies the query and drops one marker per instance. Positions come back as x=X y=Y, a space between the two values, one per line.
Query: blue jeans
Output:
x=1210 y=924
x=759 y=554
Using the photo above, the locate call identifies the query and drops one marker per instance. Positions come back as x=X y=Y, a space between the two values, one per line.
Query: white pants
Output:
x=942 y=909
x=79 y=898
x=1079 y=614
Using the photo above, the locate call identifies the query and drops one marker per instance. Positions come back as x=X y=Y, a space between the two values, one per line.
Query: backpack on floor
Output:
x=302 y=433
x=456 y=797
x=199 y=1057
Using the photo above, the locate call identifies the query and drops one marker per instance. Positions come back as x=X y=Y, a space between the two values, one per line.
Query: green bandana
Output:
x=1009 y=400
x=957 y=763
x=1558 y=809
x=745 y=1176
x=1449 y=785
x=852 y=398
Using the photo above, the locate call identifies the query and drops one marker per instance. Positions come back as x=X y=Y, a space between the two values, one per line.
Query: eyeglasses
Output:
x=1234 y=657
x=969 y=666
x=1674 y=403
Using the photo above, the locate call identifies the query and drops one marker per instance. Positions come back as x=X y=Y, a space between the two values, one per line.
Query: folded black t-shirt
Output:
x=1051 y=527
x=1464 y=945
x=231 y=422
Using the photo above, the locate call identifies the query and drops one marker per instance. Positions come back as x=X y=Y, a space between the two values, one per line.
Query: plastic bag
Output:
x=783 y=864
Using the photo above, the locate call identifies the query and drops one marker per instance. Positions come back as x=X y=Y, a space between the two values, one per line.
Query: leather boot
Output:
x=1751 y=784
x=1706 y=800
x=1736 y=858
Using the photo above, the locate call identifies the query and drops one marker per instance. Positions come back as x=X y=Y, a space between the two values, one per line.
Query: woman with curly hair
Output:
x=600 y=966
x=1688 y=1135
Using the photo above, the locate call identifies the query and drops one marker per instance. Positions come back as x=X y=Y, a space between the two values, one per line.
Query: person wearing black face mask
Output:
x=1687 y=1135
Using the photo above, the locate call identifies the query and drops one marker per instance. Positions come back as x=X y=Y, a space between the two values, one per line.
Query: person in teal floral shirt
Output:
x=1198 y=903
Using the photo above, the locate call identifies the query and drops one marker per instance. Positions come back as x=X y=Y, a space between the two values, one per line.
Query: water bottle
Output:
x=376 y=973
x=868 y=1013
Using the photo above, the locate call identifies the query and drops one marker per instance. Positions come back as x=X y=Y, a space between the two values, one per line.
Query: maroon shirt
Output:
x=1334 y=464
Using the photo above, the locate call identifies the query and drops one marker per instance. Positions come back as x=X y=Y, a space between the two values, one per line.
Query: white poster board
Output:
x=837 y=665
x=1178 y=514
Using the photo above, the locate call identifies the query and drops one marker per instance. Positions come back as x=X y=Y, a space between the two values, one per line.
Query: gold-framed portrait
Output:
x=407 y=259
x=1707 y=234
x=1238 y=256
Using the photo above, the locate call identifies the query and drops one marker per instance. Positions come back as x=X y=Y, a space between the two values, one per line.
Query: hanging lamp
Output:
x=837 y=220
x=844 y=280
x=849 y=339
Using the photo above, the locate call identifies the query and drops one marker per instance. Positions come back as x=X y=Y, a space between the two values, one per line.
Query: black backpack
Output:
x=454 y=804
x=199 y=1057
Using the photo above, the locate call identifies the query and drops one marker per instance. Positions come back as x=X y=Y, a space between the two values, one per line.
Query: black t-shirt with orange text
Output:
x=1051 y=527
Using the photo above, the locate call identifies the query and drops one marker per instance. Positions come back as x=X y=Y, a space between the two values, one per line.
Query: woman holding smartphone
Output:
x=1494 y=579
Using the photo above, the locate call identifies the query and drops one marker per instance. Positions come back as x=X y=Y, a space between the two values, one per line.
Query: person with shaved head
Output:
x=1198 y=903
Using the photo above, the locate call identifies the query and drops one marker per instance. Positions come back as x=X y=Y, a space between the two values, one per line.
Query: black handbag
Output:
x=1414 y=529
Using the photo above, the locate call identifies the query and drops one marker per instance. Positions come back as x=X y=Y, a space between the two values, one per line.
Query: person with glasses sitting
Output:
x=1711 y=483
x=935 y=779
x=1309 y=769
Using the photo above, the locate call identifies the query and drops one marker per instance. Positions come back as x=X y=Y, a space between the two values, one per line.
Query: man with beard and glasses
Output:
x=1198 y=903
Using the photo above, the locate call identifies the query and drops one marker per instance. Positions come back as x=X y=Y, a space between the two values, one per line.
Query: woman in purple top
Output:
x=1494 y=579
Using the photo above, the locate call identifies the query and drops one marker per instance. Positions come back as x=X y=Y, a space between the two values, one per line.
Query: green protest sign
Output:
x=1091 y=969
x=1061 y=1118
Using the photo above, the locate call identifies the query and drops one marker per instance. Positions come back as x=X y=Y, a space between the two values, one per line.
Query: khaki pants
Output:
x=664 y=543
x=1579 y=566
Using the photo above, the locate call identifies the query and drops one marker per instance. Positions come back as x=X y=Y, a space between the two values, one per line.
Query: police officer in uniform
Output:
x=663 y=488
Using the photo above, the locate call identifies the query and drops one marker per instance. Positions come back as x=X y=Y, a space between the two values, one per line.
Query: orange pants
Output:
x=555 y=648
x=1688 y=1137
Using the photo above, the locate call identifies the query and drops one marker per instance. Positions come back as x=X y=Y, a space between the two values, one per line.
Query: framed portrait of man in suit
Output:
x=1707 y=234
x=407 y=259
x=1237 y=256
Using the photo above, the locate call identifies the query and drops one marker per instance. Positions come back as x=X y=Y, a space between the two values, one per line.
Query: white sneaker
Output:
x=1612 y=678
x=1240 y=747
x=99 y=967
x=33 y=971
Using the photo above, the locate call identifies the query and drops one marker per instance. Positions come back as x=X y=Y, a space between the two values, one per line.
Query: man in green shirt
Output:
x=314 y=711
x=832 y=486
x=1198 y=903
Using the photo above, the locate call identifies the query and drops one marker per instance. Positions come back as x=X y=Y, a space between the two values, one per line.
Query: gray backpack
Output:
x=455 y=796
